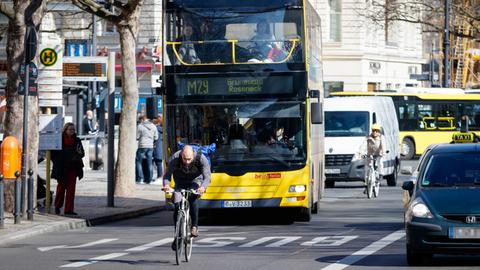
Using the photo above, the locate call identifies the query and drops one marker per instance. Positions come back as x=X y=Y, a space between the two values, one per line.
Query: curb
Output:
x=42 y=229
x=72 y=224
x=125 y=215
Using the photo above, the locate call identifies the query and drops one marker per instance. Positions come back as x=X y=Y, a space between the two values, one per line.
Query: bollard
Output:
x=30 y=195
x=2 y=217
x=10 y=166
x=17 y=211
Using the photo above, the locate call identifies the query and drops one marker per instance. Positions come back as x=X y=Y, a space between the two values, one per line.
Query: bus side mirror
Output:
x=316 y=113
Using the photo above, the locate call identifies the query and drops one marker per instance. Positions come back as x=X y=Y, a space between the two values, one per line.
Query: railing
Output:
x=288 y=54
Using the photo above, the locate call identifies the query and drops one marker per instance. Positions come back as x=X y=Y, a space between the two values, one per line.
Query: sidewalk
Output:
x=91 y=206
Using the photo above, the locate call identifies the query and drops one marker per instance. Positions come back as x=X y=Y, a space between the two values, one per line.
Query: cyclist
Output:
x=374 y=146
x=190 y=170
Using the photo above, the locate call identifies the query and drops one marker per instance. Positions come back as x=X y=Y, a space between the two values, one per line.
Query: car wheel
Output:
x=408 y=149
x=392 y=178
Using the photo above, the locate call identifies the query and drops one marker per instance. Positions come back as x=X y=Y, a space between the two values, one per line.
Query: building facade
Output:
x=359 y=55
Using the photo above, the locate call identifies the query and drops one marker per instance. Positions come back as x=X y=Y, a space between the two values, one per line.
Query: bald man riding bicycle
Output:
x=191 y=170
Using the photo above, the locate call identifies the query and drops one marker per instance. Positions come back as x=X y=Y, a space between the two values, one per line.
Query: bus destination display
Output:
x=207 y=86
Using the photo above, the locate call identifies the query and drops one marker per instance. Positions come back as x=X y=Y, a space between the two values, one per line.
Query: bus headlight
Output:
x=297 y=188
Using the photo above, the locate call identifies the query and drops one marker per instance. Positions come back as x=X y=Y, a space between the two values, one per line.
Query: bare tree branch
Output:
x=7 y=10
x=99 y=10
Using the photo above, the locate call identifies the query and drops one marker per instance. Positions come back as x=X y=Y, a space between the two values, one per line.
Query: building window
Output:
x=331 y=87
x=335 y=19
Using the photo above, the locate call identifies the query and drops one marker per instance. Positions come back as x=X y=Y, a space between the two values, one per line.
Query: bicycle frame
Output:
x=183 y=239
x=372 y=177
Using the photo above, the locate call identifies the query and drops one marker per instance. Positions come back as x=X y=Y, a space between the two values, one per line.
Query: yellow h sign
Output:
x=48 y=57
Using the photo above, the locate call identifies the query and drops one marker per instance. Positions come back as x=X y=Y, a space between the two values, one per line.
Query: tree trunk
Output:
x=14 y=115
x=127 y=146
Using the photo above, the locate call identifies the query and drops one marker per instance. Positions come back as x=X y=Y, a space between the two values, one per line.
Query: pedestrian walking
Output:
x=147 y=134
x=67 y=167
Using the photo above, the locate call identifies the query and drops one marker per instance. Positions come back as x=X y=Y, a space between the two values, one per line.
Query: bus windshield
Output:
x=346 y=124
x=246 y=134
x=202 y=35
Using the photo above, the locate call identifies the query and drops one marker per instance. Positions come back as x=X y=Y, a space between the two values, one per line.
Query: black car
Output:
x=443 y=213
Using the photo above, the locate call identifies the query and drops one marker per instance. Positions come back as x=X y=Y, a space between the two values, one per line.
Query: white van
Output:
x=347 y=123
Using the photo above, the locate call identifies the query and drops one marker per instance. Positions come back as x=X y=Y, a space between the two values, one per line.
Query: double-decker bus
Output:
x=429 y=116
x=246 y=75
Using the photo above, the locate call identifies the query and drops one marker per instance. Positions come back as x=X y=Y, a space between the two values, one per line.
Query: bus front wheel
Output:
x=408 y=149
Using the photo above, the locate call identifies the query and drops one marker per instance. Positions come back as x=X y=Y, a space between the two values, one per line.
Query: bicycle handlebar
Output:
x=192 y=191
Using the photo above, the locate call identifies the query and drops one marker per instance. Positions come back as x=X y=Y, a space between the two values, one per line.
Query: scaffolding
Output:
x=465 y=53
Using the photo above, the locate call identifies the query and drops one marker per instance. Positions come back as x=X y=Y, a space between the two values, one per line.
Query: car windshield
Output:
x=346 y=124
x=452 y=169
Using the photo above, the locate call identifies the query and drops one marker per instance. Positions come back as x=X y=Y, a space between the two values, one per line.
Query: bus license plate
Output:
x=464 y=233
x=237 y=204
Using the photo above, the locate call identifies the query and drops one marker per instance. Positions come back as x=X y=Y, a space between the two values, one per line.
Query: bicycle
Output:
x=183 y=239
x=372 y=177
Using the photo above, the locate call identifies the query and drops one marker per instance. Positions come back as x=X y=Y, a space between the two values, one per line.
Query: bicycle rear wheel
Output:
x=179 y=236
x=188 y=241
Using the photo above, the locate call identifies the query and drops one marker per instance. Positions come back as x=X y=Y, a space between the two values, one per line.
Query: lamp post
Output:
x=446 y=46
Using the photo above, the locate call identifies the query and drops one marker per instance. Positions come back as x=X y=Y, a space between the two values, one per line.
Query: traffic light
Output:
x=152 y=107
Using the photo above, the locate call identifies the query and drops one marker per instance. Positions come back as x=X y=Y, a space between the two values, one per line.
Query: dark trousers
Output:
x=158 y=163
x=68 y=184
x=192 y=200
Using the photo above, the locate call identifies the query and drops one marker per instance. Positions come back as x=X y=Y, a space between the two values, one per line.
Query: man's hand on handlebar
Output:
x=201 y=190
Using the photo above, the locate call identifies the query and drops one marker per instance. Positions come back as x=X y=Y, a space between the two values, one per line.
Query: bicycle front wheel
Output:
x=180 y=234
x=370 y=184
x=376 y=185
x=188 y=241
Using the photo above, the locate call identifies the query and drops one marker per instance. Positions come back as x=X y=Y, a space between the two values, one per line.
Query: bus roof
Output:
x=431 y=96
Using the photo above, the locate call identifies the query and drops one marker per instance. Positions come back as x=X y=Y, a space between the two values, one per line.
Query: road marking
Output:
x=366 y=251
x=151 y=245
x=102 y=241
x=94 y=260
x=329 y=241
x=283 y=241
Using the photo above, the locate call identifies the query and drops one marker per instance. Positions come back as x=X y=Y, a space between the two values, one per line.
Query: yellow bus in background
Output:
x=428 y=116
x=246 y=76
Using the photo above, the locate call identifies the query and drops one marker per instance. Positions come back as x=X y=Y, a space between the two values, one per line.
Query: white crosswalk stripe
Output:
x=98 y=242
x=116 y=255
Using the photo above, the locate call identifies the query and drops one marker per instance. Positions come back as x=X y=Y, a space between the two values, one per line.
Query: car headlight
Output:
x=418 y=209
x=296 y=188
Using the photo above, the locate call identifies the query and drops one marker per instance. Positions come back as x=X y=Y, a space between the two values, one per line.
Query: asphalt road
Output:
x=350 y=232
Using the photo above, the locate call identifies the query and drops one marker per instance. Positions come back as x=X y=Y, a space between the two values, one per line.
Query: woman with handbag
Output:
x=67 y=166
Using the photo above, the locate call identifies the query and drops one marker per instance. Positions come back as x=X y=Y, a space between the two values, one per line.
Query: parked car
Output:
x=443 y=213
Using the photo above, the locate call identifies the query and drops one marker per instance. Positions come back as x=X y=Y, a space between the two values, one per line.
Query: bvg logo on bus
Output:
x=48 y=57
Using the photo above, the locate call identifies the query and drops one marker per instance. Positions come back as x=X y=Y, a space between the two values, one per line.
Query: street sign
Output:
x=32 y=88
x=48 y=57
x=31 y=44
x=50 y=130
x=32 y=71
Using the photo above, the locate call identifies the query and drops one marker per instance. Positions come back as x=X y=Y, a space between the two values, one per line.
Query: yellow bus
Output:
x=246 y=76
x=429 y=116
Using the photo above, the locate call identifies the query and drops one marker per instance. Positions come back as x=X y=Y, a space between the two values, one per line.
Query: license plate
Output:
x=332 y=171
x=464 y=233
x=237 y=204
